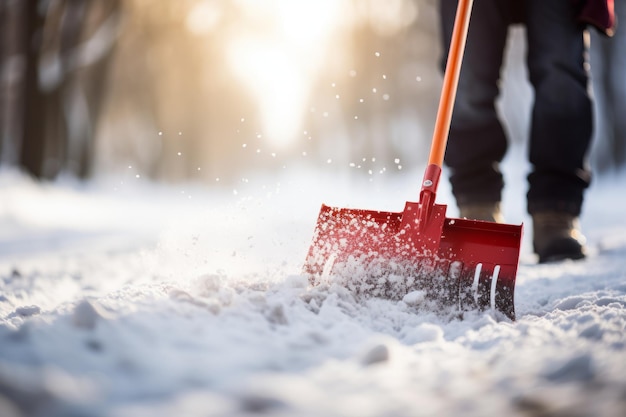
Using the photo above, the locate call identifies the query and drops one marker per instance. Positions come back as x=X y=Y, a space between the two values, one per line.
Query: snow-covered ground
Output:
x=125 y=298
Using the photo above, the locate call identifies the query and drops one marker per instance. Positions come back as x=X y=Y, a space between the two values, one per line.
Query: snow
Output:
x=124 y=298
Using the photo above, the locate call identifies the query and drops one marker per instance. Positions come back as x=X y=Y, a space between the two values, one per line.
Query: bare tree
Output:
x=63 y=48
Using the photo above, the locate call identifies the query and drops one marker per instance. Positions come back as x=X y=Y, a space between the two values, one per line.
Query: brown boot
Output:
x=489 y=212
x=557 y=236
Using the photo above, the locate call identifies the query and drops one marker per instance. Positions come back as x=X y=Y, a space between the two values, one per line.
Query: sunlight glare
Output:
x=279 y=66
x=277 y=84
x=308 y=22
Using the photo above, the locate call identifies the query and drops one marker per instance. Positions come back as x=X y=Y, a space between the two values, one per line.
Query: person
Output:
x=608 y=66
x=561 y=118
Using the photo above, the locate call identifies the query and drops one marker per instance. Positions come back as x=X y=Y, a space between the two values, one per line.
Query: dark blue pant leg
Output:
x=562 y=113
x=477 y=141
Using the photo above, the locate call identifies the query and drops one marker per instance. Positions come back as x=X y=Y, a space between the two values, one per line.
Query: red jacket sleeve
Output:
x=600 y=14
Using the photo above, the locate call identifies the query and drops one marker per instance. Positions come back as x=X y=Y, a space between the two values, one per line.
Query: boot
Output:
x=489 y=212
x=557 y=236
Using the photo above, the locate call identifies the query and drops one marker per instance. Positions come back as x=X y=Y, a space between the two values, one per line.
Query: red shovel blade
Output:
x=460 y=263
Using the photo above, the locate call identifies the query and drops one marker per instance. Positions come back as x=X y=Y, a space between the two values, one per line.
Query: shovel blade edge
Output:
x=489 y=253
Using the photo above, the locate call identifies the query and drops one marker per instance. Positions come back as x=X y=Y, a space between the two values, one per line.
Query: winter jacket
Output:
x=599 y=14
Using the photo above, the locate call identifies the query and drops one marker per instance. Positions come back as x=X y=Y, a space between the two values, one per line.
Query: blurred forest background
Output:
x=207 y=90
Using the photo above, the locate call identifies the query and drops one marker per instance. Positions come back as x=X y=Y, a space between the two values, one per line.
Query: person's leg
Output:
x=608 y=66
x=617 y=89
x=562 y=113
x=561 y=128
x=602 y=154
x=477 y=142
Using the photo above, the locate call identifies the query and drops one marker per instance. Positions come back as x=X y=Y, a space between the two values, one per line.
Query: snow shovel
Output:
x=419 y=254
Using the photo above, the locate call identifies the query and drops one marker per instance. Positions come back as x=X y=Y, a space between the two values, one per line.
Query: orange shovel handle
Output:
x=450 y=83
